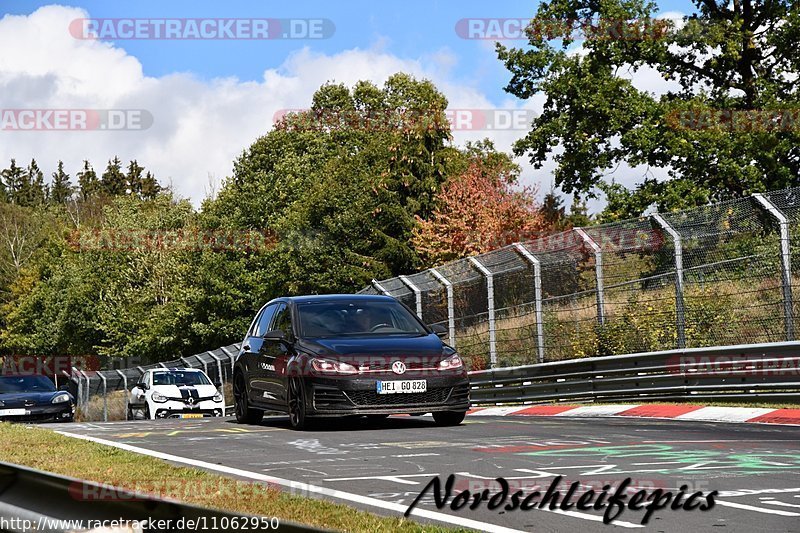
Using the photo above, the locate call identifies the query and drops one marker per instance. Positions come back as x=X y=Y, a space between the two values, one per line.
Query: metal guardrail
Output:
x=44 y=499
x=768 y=371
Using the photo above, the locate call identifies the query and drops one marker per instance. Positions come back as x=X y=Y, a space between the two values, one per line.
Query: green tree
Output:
x=88 y=183
x=736 y=56
x=14 y=179
x=134 y=178
x=113 y=180
x=61 y=188
x=34 y=191
x=340 y=185
x=150 y=188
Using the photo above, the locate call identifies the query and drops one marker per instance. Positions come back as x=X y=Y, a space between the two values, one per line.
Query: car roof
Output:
x=338 y=297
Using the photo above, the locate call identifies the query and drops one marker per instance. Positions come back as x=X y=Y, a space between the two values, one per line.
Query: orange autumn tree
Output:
x=478 y=210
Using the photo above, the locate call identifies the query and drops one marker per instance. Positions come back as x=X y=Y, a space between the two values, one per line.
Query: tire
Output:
x=244 y=413
x=296 y=404
x=449 y=418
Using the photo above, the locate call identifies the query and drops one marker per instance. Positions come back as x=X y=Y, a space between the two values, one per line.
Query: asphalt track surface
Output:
x=382 y=467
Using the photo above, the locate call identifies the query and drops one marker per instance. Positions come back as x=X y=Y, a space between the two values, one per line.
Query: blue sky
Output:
x=412 y=28
x=210 y=99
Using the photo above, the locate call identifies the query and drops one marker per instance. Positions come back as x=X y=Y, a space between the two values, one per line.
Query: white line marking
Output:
x=724 y=414
x=757 y=509
x=782 y=504
x=332 y=493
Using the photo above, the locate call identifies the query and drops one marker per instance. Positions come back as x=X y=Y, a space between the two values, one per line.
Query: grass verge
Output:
x=34 y=447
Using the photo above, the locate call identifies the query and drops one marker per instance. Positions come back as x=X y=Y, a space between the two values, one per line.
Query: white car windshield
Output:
x=180 y=377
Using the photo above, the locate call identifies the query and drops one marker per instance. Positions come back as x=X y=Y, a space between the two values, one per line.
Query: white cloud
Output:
x=199 y=126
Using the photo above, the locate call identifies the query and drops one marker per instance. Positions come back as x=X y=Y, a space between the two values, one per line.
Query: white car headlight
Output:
x=218 y=398
x=158 y=397
x=451 y=363
x=60 y=398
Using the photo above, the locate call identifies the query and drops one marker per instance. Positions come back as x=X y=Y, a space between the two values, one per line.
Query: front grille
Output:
x=368 y=398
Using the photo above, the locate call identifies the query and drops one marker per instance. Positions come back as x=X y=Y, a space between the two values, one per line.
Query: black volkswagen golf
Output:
x=341 y=355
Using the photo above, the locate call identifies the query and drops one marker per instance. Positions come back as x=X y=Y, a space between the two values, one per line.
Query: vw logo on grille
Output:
x=399 y=367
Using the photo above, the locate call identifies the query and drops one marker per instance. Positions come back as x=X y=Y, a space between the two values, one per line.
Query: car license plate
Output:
x=13 y=412
x=192 y=415
x=402 y=387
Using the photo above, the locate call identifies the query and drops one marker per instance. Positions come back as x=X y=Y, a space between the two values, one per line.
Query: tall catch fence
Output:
x=716 y=275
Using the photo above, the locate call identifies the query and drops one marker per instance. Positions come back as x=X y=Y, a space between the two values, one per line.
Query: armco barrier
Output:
x=752 y=372
x=39 y=500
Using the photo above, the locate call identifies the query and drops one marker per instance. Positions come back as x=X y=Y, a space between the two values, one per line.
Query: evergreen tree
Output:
x=61 y=188
x=87 y=181
x=150 y=187
x=134 y=178
x=113 y=181
x=13 y=178
x=34 y=190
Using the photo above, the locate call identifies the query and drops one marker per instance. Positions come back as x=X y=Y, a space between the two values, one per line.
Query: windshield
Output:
x=12 y=384
x=179 y=378
x=333 y=319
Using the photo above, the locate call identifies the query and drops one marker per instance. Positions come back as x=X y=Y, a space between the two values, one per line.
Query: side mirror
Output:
x=218 y=384
x=64 y=387
x=439 y=330
x=142 y=386
x=275 y=335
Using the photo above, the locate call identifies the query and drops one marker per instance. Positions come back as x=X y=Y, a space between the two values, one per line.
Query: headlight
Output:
x=60 y=398
x=451 y=363
x=326 y=366
x=217 y=397
x=158 y=397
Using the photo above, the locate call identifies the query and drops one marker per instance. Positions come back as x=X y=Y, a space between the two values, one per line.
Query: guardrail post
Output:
x=185 y=362
x=88 y=386
x=125 y=388
x=490 y=298
x=679 y=312
x=380 y=288
x=598 y=273
x=417 y=294
x=786 y=263
x=537 y=290
x=451 y=319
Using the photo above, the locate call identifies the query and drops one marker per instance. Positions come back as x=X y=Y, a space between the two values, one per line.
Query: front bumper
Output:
x=358 y=395
x=60 y=412
x=174 y=409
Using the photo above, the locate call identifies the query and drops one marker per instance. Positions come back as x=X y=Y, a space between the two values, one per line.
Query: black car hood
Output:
x=389 y=345
x=18 y=398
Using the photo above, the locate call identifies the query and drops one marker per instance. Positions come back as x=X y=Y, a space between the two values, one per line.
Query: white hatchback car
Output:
x=175 y=393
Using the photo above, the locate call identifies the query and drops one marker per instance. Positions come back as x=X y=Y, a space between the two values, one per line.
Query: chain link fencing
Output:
x=717 y=275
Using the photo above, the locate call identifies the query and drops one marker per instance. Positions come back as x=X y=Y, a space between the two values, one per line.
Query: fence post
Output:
x=598 y=273
x=380 y=288
x=105 y=396
x=125 y=388
x=451 y=319
x=786 y=263
x=537 y=290
x=417 y=294
x=231 y=357
x=185 y=362
x=679 y=312
x=219 y=366
x=86 y=392
x=79 y=392
x=490 y=297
